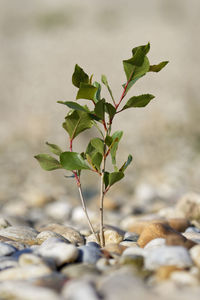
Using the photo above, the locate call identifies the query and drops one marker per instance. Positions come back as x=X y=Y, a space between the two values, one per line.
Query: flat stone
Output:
x=168 y=255
x=80 y=270
x=158 y=230
x=67 y=232
x=44 y=235
x=6 y=249
x=24 y=273
x=194 y=236
x=60 y=252
x=79 y=290
x=25 y=291
x=22 y=234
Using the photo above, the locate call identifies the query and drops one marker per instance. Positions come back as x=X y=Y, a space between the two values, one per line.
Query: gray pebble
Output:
x=88 y=254
x=6 y=249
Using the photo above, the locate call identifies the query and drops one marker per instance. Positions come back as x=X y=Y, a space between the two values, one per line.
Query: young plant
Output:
x=101 y=116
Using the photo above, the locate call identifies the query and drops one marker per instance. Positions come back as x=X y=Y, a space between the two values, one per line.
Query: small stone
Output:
x=132 y=251
x=112 y=236
x=8 y=262
x=44 y=235
x=59 y=210
x=79 y=290
x=30 y=259
x=110 y=204
x=6 y=249
x=194 y=236
x=157 y=230
x=164 y=272
x=168 y=255
x=136 y=225
x=172 y=240
x=155 y=243
x=4 y=223
x=22 y=234
x=189 y=206
x=192 y=230
x=130 y=236
x=89 y=254
x=24 y=273
x=25 y=291
x=60 y=252
x=67 y=232
x=128 y=244
x=80 y=270
x=184 y=278
x=114 y=248
x=103 y=264
x=195 y=254
x=178 y=224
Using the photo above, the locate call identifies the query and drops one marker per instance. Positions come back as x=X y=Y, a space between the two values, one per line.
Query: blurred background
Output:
x=41 y=41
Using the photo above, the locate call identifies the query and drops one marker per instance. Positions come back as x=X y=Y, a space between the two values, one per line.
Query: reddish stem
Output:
x=124 y=91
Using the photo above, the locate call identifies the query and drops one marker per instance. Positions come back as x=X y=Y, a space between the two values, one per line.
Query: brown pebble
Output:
x=179 y=224
x=173 y=240
x=115 y=248
x=164 y=272
x=158 y=230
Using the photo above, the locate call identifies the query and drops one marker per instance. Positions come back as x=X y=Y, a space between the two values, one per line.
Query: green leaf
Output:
x=48 y=162
x=138 y=101
x=73 y=161
x=110 y=109
x=96 y=160
x=98 y=145
x=74 y=105
x=76 y=122
x=135 y=72
x=106 y=179
x=158 y=67
x=79 y=76
x=116 y=138
x=98 y=92
x=86 y=91
x=114 y=177
x=139 y=54
x=108 y=140
x=105 y=82
x=100 y=109
x=54 y=148
x=126 y=164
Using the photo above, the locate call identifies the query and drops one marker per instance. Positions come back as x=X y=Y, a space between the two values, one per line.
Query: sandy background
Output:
x=41 y=41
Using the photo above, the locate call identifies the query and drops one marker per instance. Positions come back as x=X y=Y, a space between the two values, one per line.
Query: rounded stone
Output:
x=22 y=234
x=158 y=230
x=155 y=243
x=131 y=251
x=114 y=248
x=164 y=272
x=112 y=236
x=189 y=206
x=89 y=254
x=184 y=278
x=4 y=223
x=67 y=232
x=60 y=252
x=178 y=224
x=167 y=255
x=79 y=290
x=44 y=235
x=6 y=249
x=194 y=236
x=195 y=254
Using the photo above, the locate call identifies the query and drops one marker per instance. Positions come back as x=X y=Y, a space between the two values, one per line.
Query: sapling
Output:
x=101 y=116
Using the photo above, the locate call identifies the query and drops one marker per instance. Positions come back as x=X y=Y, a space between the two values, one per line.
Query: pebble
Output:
x=195 y=254
x=25 y=272
x=128 y=244
x=59 y=251
x=129 y=236
x=6 y=249
x=158 y=230
x=115 y=248
x=172 y=240
x=164 y=272
x=132 y=251
x=44 y=235
x=79 y=290
x=168 y=255
x=155 y=243
x=184 y=278
x=22 y=234
x=189 y=206
x=80 y=270
x=113 y=236
x=26 y=291
x=59 y=210
x=71 y=234
x=8 y=262
x=88 y=254
x=194 y=236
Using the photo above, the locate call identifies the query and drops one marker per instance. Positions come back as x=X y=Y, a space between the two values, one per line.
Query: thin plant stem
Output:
x=86 y=213
x=82 y=199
